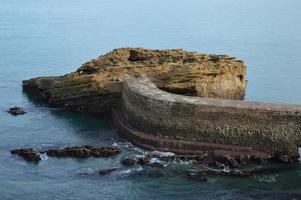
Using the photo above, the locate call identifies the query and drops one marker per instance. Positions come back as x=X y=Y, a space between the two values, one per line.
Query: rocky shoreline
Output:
x=220 y=166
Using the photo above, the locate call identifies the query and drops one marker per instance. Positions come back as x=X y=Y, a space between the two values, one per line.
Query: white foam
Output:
x=154 y=160
x=162 y=154
x=127 y=171
x=267 y=178
x=122 y=144
x=43 y=156
x=115 y=145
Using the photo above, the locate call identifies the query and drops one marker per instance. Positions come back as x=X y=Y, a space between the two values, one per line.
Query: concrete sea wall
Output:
x=195 y=122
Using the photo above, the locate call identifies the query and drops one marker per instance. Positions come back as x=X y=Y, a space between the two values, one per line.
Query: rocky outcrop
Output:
x=95 y=87
x=76 y=152
x=84 y=152
x=16 y=111
x=144 y=160
x=106 y=171
x=28 y=154
x=128 y=162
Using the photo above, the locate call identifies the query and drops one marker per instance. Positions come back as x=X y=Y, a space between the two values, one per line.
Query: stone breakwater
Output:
x=95 y=87
x=155 y=119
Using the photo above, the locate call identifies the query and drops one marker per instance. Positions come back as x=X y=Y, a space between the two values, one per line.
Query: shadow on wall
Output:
x=181 y=91
x=81 y=121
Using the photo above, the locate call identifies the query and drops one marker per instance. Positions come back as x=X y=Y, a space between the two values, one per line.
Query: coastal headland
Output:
x=193 y=103
x=96 y=86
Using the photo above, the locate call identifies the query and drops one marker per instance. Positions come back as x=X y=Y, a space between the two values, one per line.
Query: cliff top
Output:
x=130 y=57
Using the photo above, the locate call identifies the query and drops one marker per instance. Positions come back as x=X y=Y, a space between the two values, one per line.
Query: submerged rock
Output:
x=198 y=176
x=144 y=160
x=27 y=154
x=95 y=87
x=128 y=162
x=106 y=171
x=16 y=111
x=154 y=172
x=84 y=152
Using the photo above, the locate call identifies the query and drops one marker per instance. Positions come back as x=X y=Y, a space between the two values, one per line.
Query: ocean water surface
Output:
x=42 y=38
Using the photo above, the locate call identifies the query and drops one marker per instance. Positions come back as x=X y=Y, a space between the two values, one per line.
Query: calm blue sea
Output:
x=54 y=37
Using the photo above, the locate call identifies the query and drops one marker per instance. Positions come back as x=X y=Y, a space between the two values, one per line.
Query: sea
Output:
x=54 y=37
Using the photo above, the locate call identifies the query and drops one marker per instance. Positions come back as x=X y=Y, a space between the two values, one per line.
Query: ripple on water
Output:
x=268 y=178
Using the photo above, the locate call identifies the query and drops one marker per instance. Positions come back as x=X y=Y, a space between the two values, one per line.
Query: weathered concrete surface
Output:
x=274 y=129
x=95 y=87
x=205 y=151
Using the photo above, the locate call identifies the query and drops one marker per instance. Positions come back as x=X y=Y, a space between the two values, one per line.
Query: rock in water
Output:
x=198 y=176
x=106 y=171
x=27 y=154
x=128 y=162
x=84 y=152
x=144 y=160
x=16 y=111
x=95 y=87
x=77 y=152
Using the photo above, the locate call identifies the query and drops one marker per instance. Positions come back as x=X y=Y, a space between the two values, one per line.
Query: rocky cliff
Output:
x=95 y=87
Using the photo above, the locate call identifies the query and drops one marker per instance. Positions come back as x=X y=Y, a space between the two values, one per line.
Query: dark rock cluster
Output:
x=222 y=164
x=235 y=160
x=153 y=163
x=143 y=160
x=16 y=111
x=27 y=154
x=77 y=152
x=83 y=152
x=128 y=162
x=106 y=171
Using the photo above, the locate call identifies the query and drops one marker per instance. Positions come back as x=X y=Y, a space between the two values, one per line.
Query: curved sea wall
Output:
x=157 y=119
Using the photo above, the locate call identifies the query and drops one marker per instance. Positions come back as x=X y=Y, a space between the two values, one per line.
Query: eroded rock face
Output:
x=95 y=87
